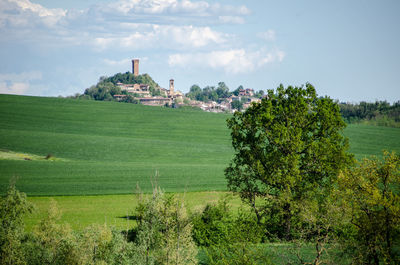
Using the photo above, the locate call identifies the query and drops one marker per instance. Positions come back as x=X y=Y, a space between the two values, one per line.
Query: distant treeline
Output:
x=212 y=93
x=379 y=113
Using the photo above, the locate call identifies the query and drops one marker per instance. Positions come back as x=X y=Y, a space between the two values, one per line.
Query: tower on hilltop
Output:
x=135 y=67
x=171 y=87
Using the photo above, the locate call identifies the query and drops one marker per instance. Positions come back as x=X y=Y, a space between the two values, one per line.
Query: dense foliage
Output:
x=289 y=148
x=163 y=236
x=212 y=93
x=216 y=225
x=370 y=194
x=12 y=209
x=378 y=113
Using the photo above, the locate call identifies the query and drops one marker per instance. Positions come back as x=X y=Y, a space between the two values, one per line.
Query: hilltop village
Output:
x=141 y=89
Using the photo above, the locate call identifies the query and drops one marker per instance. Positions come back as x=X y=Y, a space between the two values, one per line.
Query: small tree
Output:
x=371 y=197
x=12 y=209
x=287 y=147
x=164 y=231
x=52 y=243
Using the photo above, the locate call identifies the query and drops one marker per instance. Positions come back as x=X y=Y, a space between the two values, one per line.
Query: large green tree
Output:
x=288 y=148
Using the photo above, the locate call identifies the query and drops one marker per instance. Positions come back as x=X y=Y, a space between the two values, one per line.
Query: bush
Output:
x=370 y=196
x=12 y=209
x=228 y=239
x=163 y=234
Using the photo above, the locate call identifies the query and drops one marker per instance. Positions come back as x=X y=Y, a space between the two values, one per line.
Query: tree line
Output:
x=216 y=93
x=377 y=113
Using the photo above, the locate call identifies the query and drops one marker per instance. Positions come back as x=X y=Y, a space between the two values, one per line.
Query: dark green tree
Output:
x=222 y=90
x=288 y=148
x=194 y=91
x=259 y=94
x=237 y=104
x=236 y=91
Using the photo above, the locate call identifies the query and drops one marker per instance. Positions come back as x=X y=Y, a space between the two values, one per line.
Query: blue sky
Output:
x=349 y=50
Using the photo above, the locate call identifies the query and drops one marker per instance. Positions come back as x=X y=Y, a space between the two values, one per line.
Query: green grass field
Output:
x=108 y=147
x=82 y=211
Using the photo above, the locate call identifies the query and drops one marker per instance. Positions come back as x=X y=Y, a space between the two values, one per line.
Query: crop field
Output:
x=109 y=147
x=114 y=210
x=59 y=146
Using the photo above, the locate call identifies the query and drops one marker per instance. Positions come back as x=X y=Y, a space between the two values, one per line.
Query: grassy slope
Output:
x=108 y=147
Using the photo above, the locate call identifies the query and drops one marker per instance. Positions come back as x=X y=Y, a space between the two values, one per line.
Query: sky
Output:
x=349 y=50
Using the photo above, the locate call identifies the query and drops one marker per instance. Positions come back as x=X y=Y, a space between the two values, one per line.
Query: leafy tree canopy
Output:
x=286 y=147
x=219 y=93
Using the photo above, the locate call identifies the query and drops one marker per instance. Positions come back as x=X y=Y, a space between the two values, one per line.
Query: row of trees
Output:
x=218 y=93
x=380 y=112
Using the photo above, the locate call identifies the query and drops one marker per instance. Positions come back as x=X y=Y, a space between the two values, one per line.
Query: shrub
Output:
x=163 y=234
x=370 y=194
x=12 y=209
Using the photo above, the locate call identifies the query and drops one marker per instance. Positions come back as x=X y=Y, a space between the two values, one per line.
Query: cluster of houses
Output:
x=144 y=95
x=171 y=97
x=225 y=105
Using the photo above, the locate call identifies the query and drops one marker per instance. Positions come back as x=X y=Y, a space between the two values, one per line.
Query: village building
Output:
x=119 y=97
x=248 y=92
x=141 y=89
x=143 y=94
x=155 y=101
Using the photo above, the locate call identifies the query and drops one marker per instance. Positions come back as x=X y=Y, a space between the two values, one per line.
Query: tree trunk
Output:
x=287 y=219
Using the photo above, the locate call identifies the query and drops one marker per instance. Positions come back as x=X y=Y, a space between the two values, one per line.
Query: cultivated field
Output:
x=108 y=148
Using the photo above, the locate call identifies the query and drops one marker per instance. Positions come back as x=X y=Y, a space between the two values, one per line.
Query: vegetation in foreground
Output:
x=360 y=225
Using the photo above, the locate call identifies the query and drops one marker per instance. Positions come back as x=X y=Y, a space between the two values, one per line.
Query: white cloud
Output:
x=18 y=83
x=130 y=24
x=117 y=63
x=14 y=88
x=268 y=35
x=232 y=61
x=231 y=19
x=163 y=36
x=40 y=10
x=23 y=13
x=173 y=7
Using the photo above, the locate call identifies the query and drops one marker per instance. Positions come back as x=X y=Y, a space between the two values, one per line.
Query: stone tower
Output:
x=171 y=87
x=135 y=67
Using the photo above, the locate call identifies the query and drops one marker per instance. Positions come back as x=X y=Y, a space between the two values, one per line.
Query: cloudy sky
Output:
x=349 y=50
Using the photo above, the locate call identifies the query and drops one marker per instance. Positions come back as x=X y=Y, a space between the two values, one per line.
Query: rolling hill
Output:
x=108 y=147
